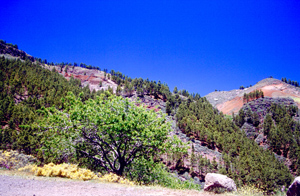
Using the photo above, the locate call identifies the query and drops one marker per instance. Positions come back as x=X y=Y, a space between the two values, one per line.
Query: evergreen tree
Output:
x=168 y=108
x=175 y=91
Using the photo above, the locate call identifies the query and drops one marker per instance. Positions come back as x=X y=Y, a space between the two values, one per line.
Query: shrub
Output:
x=72 y=171
x=13 y=159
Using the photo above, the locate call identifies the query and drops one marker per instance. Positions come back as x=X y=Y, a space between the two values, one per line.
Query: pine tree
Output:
x=255 y=119
x=268 y=124
x=168 y=108
x=118 y=90
x=175 y=91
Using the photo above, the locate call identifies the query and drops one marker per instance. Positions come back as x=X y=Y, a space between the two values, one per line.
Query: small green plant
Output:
x=229 y=117
x=166 y=179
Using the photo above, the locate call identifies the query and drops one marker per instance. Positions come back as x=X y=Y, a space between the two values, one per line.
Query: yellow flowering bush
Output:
x=13 y=159
x=61 y=170
x=111 y=177
x=73 y=172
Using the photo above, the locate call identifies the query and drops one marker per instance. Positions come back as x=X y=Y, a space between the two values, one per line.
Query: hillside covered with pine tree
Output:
x=137 y=128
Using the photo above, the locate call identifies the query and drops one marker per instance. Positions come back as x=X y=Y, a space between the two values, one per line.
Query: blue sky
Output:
x=198 y=45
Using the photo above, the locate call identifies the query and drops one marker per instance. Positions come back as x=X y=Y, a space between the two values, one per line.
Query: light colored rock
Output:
x=213 y=180
x=249 y=129
x=181 y=178
x=260 y=138
x=294 y=189
x=186 y=175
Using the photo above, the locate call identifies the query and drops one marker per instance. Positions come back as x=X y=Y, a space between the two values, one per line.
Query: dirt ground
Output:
x=23 y=184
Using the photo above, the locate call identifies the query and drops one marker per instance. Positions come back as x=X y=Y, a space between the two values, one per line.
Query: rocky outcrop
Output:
x=294 y=189
x=261 y=105
x=216 y=181
x=260 y=139
x=249 y=130
x=150 y=102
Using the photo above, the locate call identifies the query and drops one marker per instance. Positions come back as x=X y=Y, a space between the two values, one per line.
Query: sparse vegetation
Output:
x=253 y=95
x=291 y=82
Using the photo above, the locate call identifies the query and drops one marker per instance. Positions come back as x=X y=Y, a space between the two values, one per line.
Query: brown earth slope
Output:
x=232 y=101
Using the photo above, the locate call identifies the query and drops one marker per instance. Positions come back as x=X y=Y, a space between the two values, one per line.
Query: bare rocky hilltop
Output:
x=230 y=102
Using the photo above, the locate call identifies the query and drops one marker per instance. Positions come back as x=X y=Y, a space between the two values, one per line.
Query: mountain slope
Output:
x=232 y=101
x=213 y=136
x=88 y=77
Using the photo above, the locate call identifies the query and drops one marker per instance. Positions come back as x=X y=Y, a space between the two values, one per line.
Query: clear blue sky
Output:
x=198 y=45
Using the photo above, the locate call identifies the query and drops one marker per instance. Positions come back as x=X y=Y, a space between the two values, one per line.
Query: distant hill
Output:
x=232 y=101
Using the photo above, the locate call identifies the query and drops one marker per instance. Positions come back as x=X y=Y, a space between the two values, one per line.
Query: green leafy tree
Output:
x=110 y=131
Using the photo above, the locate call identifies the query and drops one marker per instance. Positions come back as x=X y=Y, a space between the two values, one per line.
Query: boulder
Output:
x=294 y=189
x=259 y=139
x=213 y=181
x=186 y=175
x=197 y=180
x=181 y=178
x=249 y=130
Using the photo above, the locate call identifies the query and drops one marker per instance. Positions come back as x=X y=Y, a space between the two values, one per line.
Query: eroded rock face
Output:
x=294 y=189
x=213 y=181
